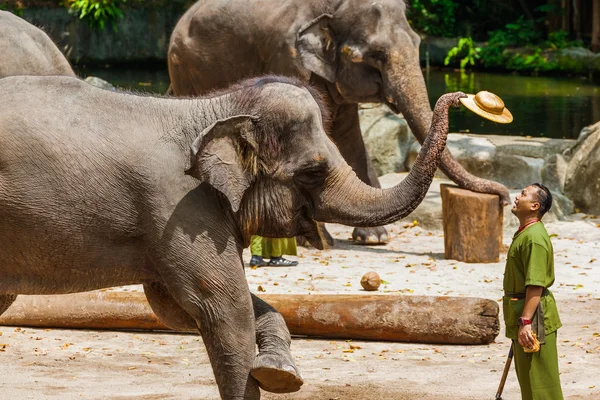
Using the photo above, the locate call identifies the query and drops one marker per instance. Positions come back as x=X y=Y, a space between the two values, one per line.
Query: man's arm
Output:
x=532 y=299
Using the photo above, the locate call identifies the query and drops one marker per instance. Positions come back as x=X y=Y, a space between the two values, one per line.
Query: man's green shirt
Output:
x=530 y=261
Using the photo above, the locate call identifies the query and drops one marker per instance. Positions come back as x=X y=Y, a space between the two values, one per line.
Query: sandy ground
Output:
x=69 y=364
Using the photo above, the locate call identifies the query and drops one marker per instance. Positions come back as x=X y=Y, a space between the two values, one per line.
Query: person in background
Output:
x=530 y=311
x=273 y=249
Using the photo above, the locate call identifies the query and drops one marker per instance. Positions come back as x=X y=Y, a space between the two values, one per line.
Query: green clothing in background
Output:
x=530 y=261
x=538 y=372
x=272 y=247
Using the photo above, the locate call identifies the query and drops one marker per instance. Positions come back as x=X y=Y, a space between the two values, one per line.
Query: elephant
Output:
x=354 y=50
x=27 y=50
x=102 y=189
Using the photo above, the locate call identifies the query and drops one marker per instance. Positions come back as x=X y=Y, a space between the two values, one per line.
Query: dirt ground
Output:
x=70 y=364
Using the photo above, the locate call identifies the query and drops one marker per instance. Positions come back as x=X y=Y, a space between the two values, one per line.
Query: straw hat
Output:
x=489 y=106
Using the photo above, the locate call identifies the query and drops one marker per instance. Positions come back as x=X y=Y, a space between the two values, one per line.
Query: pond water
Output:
x=551 y=107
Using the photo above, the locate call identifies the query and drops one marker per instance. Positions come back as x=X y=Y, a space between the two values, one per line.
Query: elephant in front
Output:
x=27 y=50
x=353 y=50
x=102 y=189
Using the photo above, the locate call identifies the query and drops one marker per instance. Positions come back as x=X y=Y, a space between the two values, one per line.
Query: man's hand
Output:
x=526 y=336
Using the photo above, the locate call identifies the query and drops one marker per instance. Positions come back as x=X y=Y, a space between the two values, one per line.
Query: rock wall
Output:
x=582 y=172
x=142 y=35
x=514 y=161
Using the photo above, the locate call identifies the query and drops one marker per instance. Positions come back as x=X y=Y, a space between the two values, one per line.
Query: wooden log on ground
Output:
x=418 y=319
x=472 y=225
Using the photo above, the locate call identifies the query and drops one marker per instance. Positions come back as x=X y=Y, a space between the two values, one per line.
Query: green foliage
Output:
x=560 y=40
x=16 y=9
x=466 y=51
x=98 y=12
x=433 y=17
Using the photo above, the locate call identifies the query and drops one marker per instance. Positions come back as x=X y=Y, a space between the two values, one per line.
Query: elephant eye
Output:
x=311 y=177
x=377 y=57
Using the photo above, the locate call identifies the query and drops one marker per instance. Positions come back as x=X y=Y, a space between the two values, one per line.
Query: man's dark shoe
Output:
x=258 y=261
x=281 y=262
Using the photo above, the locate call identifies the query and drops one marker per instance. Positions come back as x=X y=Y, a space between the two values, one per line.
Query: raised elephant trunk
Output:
x=408 y=94
x=347 y=200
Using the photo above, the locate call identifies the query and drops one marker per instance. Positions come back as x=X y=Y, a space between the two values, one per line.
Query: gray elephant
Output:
x=100 y=189
x=274 y=366
x=354 y=50
x=27 y=50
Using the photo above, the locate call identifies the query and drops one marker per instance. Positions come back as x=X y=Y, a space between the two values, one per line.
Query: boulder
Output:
x=576 y=60
x=429 y=213
x=582 y=180
x=386 y=136
x=514 y=161
x=101 y=83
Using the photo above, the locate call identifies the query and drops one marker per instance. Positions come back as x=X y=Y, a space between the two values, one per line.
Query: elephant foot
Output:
x=276 y=373
x=370 y=236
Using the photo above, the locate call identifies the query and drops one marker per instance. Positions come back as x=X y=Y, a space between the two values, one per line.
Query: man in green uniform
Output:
x=529 y=307
x=273 y=248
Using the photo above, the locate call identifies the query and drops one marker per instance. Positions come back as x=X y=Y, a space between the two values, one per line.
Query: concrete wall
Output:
x=142 y=35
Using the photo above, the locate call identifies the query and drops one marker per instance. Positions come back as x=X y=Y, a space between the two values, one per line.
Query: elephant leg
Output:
x=347 y=136
x=5 y=301
x=166 y=308
x=218 y=300
x=274 y=367
x=301 y=240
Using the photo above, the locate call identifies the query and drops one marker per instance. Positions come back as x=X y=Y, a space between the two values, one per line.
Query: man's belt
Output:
x=537 y=321
x=520 y=296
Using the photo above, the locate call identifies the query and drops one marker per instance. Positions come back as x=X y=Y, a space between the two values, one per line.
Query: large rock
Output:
x=429 y=213
x=514 y=161
x=582 y=181
x=387 y=138
x=101 y=83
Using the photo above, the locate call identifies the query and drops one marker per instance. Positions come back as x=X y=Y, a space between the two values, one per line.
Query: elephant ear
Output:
x=317 y=47
x=225 y=155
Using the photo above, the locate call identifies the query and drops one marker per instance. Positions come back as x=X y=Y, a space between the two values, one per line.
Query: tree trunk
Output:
x=596 y=26
x=418 y=319
x=577 y=19
x=472 y=225
x=566 y=15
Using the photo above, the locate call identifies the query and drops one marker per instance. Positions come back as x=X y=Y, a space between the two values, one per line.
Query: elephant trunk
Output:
x=407 y=93
x=347 y=200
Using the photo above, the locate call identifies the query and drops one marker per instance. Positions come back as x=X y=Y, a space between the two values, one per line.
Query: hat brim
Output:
x=469 y=102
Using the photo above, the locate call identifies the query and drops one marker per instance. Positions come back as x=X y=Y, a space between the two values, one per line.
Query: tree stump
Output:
x=415 y=319
x=472 y=225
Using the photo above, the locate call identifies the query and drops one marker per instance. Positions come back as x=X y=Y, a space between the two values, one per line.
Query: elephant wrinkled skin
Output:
x=353 y=50
x=101 y=189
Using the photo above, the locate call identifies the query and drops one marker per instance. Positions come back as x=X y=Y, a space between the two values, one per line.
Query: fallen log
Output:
x=417 y=319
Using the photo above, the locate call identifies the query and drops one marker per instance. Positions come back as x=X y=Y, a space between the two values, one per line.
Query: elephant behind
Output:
x=102 y=189
x=27 y=50
x=354 y=50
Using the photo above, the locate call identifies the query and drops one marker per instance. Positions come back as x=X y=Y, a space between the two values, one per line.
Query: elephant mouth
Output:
x=392 y=106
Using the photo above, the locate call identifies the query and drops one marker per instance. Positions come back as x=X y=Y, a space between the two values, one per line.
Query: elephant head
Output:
x=280 y=172
x=367 y=52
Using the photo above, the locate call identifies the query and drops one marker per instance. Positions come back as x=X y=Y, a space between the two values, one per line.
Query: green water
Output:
x=542 y=106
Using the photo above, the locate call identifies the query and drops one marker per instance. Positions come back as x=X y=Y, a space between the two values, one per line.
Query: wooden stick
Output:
x=417 y=319
x=505 y=373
